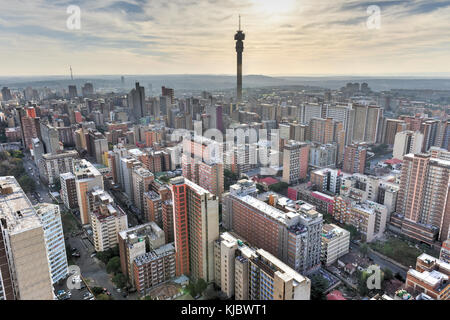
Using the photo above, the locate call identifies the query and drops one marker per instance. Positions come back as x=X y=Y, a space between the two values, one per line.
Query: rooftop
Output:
x=15 y=207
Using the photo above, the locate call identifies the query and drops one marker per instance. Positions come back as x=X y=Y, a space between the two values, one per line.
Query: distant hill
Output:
x=218 y=82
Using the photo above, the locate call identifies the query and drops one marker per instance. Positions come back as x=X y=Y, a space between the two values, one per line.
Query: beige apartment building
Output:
x=87 y=178
x=335 y=243
x=107 y=220
x=142 y=178
x=133 y=243
x=24 y=269
x=255 y=274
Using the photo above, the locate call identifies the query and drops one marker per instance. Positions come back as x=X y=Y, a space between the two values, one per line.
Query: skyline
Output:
x=299 y=38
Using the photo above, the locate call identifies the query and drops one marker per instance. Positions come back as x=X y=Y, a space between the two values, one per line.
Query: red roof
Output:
x=269 y=181
x=393 y=161
x=335 y=295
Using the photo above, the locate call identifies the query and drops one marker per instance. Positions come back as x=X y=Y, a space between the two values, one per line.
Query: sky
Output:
x=283 y=37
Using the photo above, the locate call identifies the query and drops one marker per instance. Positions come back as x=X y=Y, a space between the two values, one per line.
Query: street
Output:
x=92 y=269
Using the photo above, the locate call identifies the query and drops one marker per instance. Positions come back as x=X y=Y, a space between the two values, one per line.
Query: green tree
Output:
x=27 y=184
x=191 y=289
x=278 y=187
x=4 y=155
x=388 y=274
x=318 y=287
x=201 y=285
x=103 y=296
x=364 y=249
x=362 y=283
x=120 y=280
x=113 y=265
x=97 y=290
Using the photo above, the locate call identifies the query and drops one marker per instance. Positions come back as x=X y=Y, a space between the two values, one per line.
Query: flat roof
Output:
x=16 y=208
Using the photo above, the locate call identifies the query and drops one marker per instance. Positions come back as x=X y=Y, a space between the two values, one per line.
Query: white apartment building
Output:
x=107 y=220
x=407 y=142
x=26 y=264
x=50 y=217
x=335 y=243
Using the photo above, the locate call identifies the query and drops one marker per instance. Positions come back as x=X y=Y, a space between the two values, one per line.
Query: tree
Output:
x=388 y=274
x=120 y=280
x=97 y=290
x=318 y=287
x=103 y=296
x=201 y=285
x=27 y=184
x=191 y=289
x=278 y=187
x=113 y=265
x=362 y=283
x=364 y=249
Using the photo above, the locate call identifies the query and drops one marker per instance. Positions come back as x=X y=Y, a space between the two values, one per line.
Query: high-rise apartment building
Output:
x=196 y=227
x=327 y=180
x=136 y=101
x=295 y=161
x=355 y=159
x=50 y=138
x=366 y=123
x=391 y=128
x=69 y=190
x=335 y=243
x=407 y=142
x=50 y=217
x=25 y=272
x=136 y=242
x=51 y=166
x=73 y=91
x=323 y=155
x=107 y=219
x=368 y=217
x=87 y=178
x=255 y=274
x=288 y=229
x=423 y=199
x=202 y=163
x=128 y=165
x=154 y=268
x=142 y=178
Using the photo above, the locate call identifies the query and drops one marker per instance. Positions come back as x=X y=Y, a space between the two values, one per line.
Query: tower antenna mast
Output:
x=71 y=74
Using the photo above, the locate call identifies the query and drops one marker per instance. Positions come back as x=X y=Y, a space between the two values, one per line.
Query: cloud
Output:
x=196 y=36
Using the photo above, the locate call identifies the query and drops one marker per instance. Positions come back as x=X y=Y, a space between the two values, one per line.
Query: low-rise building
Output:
x=445 y=251
x=430 y=277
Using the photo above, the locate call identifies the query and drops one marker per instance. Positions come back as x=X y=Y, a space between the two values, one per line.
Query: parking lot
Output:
x=75 y=294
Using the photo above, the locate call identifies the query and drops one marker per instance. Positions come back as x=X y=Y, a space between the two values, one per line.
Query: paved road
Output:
x=92 y=268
